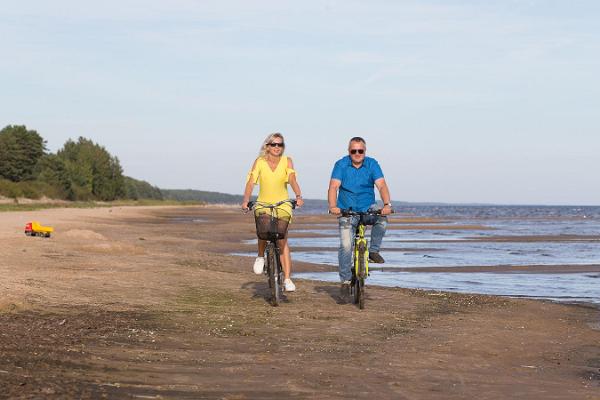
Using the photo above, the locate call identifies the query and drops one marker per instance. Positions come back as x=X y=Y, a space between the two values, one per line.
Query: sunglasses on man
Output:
x=276 y=144
x=359 y=151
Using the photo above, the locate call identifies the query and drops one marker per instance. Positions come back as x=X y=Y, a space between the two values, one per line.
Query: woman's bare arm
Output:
x=248 y=189
x=294 y=184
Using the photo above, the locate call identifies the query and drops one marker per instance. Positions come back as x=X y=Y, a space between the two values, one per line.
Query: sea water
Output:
x=507 y=236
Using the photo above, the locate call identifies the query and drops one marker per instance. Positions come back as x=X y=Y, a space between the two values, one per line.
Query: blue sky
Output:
x=460 y=101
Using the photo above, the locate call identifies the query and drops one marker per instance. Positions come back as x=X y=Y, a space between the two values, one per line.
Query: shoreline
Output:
x=434 y=292
x=130 y=302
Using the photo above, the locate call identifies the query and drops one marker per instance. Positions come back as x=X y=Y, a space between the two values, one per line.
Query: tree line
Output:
x=80 y=171
x=192 y=195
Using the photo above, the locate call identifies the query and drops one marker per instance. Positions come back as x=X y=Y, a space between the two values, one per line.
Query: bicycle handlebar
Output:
x=350 y=213
x=252 y=204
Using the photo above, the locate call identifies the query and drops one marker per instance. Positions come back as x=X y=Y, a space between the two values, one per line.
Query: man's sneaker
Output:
x=288 y=285
x=259 y=265
x=376 y=258
x=345 y=289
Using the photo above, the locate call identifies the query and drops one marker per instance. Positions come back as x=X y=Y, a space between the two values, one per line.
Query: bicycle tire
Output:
x=359 y=284
x=352 y=290
x=274 y=283
x=278 y=277
x=354 y=287
x=361 y=296
x=267 y=268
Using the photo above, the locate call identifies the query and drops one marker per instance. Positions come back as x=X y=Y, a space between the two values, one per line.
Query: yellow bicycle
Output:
x=360 y=255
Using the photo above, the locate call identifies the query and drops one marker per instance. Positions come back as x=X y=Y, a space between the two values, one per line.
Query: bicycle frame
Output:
x=360 y=256
x=360 y=242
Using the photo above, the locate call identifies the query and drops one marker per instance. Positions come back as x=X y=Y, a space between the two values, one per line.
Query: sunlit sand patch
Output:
x=83 y=234
x=14 y=306
x=113 y=247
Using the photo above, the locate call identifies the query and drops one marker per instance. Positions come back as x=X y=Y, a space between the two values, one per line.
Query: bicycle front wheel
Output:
x=273 y=269
x=361 y=293
x=359 y=282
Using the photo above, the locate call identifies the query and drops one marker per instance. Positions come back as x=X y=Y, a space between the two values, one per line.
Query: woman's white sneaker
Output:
x=288 y=285
x=259 y=265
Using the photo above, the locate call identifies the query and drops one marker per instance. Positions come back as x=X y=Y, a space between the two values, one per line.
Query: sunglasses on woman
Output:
x=359 y=151
x=276 y=144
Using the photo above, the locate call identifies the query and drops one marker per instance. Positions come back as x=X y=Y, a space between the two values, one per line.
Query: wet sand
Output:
x=135 y=303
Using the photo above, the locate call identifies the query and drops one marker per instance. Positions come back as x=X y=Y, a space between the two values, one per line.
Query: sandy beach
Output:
x=143 y=302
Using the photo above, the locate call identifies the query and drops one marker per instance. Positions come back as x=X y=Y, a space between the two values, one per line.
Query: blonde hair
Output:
x=263 y=150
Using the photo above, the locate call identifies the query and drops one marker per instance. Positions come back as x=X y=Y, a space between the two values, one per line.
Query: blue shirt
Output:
x=357 y=188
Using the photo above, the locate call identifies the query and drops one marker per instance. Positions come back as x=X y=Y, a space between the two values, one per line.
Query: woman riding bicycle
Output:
x=273 y=171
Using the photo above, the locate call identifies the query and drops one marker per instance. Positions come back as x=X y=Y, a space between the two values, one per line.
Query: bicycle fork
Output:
x=361 y=246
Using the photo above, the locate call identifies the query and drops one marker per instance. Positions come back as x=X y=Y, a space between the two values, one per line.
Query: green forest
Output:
x=191 y=195
x=80 y=171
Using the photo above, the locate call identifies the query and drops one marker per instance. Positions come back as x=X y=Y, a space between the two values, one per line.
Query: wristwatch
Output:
x=387 y=204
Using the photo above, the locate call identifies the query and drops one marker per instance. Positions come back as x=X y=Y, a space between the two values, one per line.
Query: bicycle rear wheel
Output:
x=273 y=269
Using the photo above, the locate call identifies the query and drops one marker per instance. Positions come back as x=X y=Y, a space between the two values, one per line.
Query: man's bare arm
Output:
x=384 y=192
x=334 y=185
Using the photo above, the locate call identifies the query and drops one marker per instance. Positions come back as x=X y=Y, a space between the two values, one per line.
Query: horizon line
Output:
x=441 y=203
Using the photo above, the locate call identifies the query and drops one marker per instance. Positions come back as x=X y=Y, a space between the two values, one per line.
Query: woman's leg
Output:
x=259 y=263
x=262 y=245
x=286 y=259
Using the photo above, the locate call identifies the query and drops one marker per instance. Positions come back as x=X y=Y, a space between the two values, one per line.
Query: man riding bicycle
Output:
x=352 y=188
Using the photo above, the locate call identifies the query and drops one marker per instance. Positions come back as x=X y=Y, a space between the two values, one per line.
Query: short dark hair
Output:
x=357 y=139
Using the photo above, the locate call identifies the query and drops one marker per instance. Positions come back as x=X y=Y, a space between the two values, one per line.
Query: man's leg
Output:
x=377 y=234
x=347 y=227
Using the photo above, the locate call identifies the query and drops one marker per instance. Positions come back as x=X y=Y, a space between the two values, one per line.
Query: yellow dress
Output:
x=273 y=184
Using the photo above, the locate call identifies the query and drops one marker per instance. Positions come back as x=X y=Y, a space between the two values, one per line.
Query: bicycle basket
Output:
x=271 y=223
